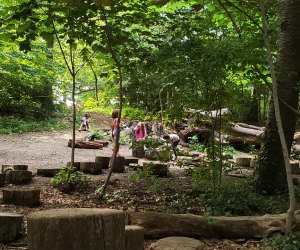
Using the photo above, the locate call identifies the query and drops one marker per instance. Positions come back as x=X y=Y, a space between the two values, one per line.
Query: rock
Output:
x=10 y=226
x=182 y=243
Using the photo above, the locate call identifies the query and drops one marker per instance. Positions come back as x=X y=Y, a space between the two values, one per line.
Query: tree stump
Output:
x=295 y=167
x=2 y=179
x=5 y=168
x=129 y=160
x=18 y=177
x=134 y=237
x=76 y=165
x=253 y=162
x=91 y=167
x=158 y=169
x=104 y=160
x=243 y=161
x=183 y=243
x=47 y=172
x=138 y=152
x=21 y=167
x=119 y=165
x=23 y=197
x=10 y=226
x=76 y=229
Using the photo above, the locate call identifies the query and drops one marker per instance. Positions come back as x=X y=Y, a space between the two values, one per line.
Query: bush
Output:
x=290 y=242
x=68 y=179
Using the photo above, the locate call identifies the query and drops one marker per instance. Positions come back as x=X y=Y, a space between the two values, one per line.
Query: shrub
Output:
x=68 y=179
x=290 y=242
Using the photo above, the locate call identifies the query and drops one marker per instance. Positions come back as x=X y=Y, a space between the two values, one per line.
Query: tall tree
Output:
x=270 y=173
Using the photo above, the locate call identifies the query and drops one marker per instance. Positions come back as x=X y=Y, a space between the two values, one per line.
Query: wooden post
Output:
x=119 y=164
x=23 y=197
x=91 y=167
x=76 y=229
x=104 y=160
x=10 y=226
x=134 y=237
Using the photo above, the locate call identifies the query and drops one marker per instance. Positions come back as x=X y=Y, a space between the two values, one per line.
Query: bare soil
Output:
x=49 y=150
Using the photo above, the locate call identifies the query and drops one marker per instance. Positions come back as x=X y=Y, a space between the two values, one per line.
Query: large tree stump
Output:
x=159 y=225
x=18 y=177
x=119 y=165
x=91 y=167
x=104 y=160
x=243 y=161
x=2 y=179
x=23 y=197
x=10 y=226
x=21 y=167
x=183 y=243
x=158 y=169
x=129 y=160
x=47 y=172
x=76 y=229
x=134 y=237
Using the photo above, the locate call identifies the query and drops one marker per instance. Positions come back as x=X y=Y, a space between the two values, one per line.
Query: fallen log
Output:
x=86 y=144
x=246 y=130
x=158 y=225
x=203 y=133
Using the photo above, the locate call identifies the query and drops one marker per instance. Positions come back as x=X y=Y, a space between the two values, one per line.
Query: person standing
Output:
x=174 y=139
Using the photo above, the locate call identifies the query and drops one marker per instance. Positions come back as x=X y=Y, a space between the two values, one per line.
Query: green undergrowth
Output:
x=14 y=124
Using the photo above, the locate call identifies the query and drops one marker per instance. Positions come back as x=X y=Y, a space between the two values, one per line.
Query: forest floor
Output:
x=50 y=150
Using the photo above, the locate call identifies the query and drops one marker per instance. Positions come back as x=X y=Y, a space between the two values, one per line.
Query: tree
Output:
x=270 y=172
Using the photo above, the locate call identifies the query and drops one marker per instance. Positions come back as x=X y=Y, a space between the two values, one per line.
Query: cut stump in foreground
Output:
x=10 y=226
x=129 y=160
x=158 y=169
x=76 y=229
x=158 y=225
x=23 y=197
x=76 y=164
x=134 y=237
x=243 y=161
x=21 y=167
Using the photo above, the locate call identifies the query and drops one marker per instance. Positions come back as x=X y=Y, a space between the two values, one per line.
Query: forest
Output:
x=223 y=75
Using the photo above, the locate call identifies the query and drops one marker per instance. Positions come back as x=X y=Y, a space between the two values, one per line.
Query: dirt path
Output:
x=47 y=149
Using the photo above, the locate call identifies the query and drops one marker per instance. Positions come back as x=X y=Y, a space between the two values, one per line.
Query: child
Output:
x=85 y=122
x=114 y=129
x=174 y=139
x=140 y=131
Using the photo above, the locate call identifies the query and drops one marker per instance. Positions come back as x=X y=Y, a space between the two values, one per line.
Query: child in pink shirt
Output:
x=140 y=131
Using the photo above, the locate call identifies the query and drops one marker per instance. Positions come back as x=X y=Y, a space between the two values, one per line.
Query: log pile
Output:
x=88 y=144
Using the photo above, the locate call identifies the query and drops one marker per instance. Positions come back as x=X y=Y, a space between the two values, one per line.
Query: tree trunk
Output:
x=270 y=172
x=159 y=225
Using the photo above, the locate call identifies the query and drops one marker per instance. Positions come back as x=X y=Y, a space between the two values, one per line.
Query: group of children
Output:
x=140 y=131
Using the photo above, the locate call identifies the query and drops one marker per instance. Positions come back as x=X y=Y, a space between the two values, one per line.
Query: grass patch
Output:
x=12 y=124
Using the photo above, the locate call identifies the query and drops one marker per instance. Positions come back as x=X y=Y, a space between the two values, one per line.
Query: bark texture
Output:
x=76 y=229
x=270 y=173
x=158 y=225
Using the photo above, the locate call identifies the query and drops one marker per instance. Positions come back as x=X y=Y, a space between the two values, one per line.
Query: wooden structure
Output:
x=76 y=229
x=104 y=160
x=23 y=197
x=91 y=167
x=134 y=237
x=47 y=172
x=10 y=226
x=18 y=177
x=159 y=225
